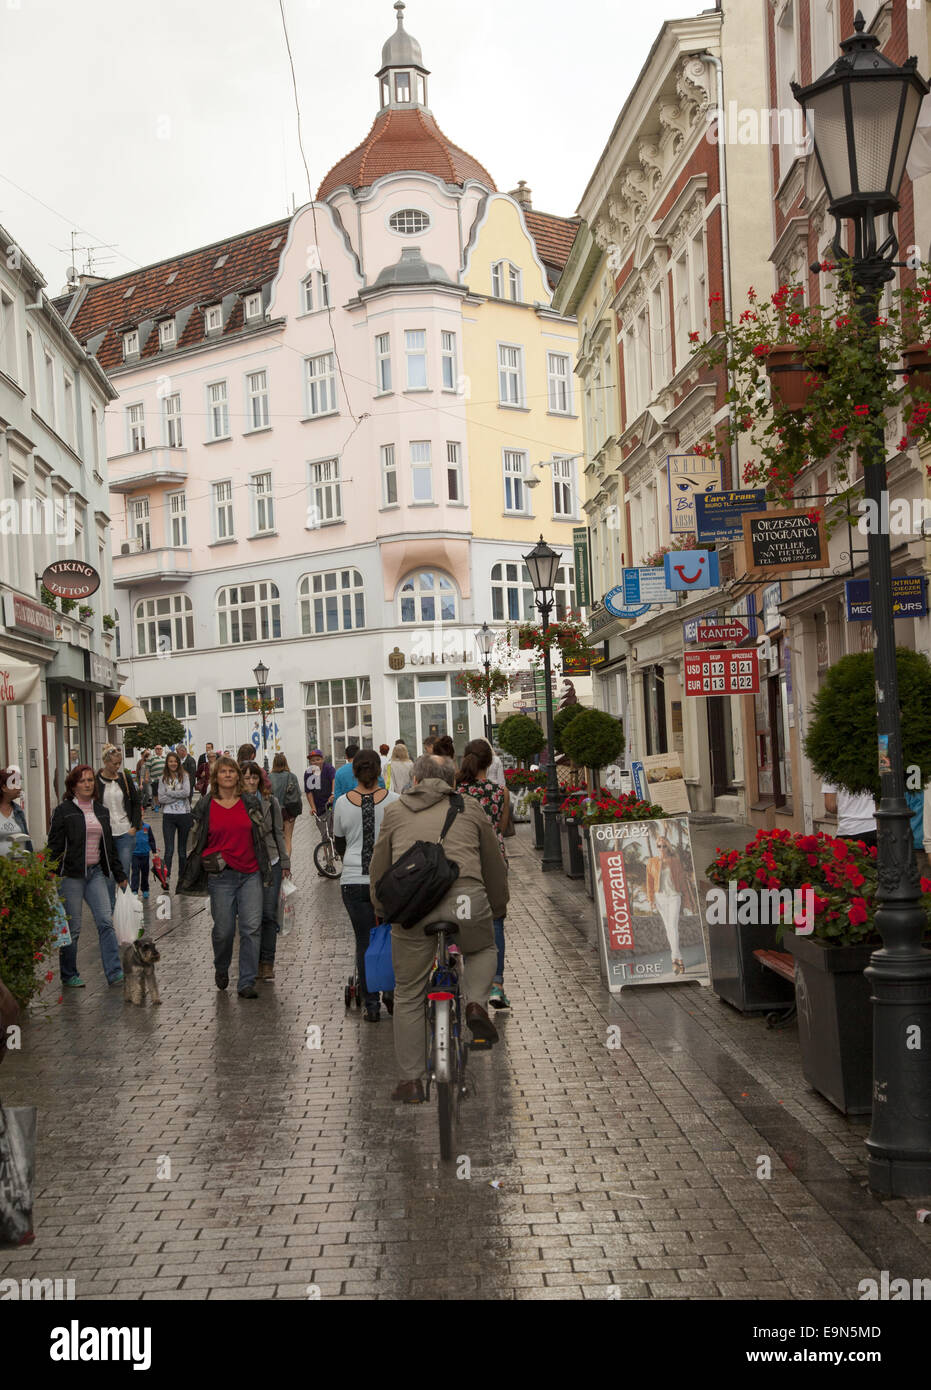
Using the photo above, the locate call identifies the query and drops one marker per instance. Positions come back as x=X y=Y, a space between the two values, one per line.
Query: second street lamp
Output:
x=862 y=113
x=485 y=639
x=261 y=680
x=543 y=563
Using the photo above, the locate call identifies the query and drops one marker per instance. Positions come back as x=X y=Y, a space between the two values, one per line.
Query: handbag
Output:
x=17 y=1171
x=421 y=878
x=61 y=928
x=127 y=918
x=379 y=968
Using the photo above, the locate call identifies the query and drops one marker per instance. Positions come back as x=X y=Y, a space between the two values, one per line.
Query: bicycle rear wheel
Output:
x=445 y=1104
x=326 y=860
x=443 y=1069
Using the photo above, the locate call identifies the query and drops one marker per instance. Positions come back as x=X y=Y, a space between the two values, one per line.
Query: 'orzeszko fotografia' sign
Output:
x=71 y=579
x=647 y=903
x=778 y=542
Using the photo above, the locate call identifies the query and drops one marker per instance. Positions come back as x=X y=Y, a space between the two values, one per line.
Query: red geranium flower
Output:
x=857 y=912
x=693 y=337
x=861 y=410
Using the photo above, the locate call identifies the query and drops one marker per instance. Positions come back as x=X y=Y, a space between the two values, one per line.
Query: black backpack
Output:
x=421 y=878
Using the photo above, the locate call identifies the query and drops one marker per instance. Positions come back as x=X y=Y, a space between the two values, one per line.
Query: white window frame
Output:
x=512 y=595
x=251 y=307
x=389 y=476
x=315 y=290
x=325 y=484
x=408 y=230
x=8 y=357
x=51 y=402
x=443 y=585
x=257 y=412
x=454 y=472
x=174 y=612
x=506 y=281
x=135 y=428
x=557 y=384
x=314 y=590
x=421 y=472
x=140 y=523
x=263 y=503
x=213 y=319
x=449 y=358
x=383 y=363
x=218 y=410
x=224 y=528
x=131 y=343
x=176 y=503
x=70 y=422
x=320 y=385
x=511 y=375
x=174 y=431
x=413 y=354
x=516 y=493
x=266 y=604
x=564 y=488
x=167 y=334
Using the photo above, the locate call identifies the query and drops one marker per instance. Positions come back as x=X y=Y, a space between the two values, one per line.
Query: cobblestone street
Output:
x=630 y=1172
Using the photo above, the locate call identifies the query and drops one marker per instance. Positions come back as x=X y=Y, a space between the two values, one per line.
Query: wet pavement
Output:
x=203 y=1150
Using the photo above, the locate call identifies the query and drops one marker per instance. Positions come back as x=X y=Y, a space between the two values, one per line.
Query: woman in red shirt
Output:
x=230 y=862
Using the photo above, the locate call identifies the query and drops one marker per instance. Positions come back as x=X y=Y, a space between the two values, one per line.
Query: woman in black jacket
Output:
x=80 y=845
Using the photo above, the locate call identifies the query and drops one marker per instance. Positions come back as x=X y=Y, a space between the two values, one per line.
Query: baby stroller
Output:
x=353 y=991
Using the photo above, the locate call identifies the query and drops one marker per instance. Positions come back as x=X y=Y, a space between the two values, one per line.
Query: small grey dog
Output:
x=138 y=960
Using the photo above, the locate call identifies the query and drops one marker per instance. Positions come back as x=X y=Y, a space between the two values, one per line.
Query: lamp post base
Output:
x=897 y=1177
x=899 y=1142
x=552 y=841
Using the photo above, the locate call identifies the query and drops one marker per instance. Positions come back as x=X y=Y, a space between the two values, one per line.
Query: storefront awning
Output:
x=19 y=681
x=123 y=709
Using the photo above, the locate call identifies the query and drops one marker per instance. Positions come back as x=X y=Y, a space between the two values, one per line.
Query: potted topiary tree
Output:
x=833 y=994
x=592 y=739
x=162 y=728
x=522 y=737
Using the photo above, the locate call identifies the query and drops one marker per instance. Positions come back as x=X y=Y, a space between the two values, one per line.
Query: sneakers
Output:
x=372 y=1013
x=117 y=979
x=410 y=1092
x=74 y=983
x=484 y=1032
x=250 y=992
x=221 y=978
x=498 y=999
x=145 y=895
x=267 y=970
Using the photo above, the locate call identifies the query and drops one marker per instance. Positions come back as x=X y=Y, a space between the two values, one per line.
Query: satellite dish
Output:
x=72 y=272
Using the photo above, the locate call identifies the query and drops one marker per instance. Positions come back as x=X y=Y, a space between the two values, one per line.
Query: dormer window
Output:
x=166 y=333
x=315 y=291
x=402 y=86
x=131 y=344
x=252 y=307
x=213 y=319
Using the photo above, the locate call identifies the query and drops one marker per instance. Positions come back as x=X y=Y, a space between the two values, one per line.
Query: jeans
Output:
x=91 y=889
x=140 y=873
x=173 y=825
x=270 y=899
x=362 y=916
x=124 y=844
x=413 y=961
x=234 y=894
x=498 y=925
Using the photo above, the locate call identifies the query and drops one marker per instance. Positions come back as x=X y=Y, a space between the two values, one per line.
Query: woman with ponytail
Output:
x=495 y=801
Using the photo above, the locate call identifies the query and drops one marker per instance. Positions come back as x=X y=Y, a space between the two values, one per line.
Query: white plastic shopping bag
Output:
x=127 y=917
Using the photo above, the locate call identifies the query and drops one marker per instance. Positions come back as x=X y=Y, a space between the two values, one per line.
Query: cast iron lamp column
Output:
x=864 y=110
x=543 y=564
x=261 y=680
x=485 y=639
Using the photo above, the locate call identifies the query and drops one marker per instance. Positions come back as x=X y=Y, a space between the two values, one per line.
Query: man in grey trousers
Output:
x=479 y=894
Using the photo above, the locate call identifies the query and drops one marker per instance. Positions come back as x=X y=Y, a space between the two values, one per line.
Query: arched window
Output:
x=164 y=625
x=428 y=597
x=505 y=281
x=331 y=602
x=248 y=613
x=512 y=596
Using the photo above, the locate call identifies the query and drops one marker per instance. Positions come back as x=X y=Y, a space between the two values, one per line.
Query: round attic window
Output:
x=409 y=221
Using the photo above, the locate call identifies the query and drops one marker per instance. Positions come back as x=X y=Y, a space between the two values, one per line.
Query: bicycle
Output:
x=326 y=859
x=446 y=1047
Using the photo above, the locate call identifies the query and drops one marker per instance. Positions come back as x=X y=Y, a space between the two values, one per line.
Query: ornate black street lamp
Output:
x=485 y=639
x=543 y=563
x=261 y=680
x=862 y=114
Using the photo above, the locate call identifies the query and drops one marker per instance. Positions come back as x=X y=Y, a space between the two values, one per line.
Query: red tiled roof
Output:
x=400 y=141
x=553 y=236
x=252 y=259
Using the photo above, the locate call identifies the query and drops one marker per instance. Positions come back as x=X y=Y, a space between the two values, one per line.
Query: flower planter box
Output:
x=573 y=858
x=537 y=825
x=737 y=976
x=835 y=1020
x=791 y=379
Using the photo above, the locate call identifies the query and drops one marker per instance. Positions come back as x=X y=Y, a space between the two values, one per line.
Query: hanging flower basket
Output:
x=791 y=376
x=479 y=687
x=262 y=706
x=917 y=359
x=567 y=638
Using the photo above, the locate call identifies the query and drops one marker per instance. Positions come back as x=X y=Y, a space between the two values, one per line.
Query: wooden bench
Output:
x=783 y=964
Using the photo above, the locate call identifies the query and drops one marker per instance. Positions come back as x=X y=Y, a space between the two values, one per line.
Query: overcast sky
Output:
x=164 y=125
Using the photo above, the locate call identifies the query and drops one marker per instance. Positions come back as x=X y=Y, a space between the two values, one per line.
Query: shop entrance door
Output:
x=721 y=745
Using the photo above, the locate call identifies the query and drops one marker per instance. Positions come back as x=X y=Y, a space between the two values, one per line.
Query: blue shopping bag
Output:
x=379 y=971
